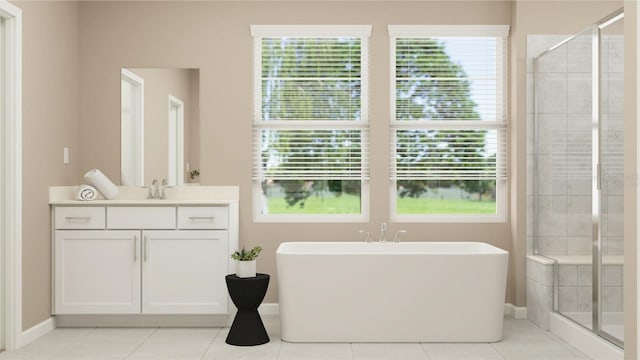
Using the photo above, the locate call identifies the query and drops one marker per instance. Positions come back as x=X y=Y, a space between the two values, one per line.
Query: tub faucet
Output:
x=397 y=237
x=383 y=232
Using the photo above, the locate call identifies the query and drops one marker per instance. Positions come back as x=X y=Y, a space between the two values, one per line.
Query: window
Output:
x=448 y=123
x=311 y=125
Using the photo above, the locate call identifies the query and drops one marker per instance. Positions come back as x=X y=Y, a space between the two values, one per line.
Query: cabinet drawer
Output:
x=85 y=217
x=203 y=217
x=141 y=217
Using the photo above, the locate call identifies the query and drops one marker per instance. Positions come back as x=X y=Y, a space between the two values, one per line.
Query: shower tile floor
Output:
x=522 y=340
x=612 y=322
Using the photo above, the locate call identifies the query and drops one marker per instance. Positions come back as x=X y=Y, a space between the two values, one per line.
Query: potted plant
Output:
x=246 y=262
x=193 y=174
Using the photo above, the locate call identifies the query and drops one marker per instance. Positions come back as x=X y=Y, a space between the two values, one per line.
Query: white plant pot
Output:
x=245 y=269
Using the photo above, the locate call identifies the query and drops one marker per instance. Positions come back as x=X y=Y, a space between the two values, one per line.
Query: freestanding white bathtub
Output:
x=391 y=292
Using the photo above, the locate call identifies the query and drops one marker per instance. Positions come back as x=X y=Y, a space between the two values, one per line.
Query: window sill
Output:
x=361 y=218
x=448 y=218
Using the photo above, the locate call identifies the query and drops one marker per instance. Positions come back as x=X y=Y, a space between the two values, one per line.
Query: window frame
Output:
x=430 y=31
x=312 y=31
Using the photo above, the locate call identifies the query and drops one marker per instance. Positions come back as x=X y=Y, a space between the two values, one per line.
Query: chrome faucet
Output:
x=154 y=192
x=383 y=232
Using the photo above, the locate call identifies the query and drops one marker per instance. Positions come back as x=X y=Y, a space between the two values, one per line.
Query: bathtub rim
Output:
x=389 y=248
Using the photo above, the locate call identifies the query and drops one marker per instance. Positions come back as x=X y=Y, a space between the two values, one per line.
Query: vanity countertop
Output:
x=131 y=195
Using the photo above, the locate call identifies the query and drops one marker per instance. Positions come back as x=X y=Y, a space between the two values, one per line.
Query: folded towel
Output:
x=102 y=183
x=87 y=193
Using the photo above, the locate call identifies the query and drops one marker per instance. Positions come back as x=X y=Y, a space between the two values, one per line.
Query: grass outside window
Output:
x=350 y=204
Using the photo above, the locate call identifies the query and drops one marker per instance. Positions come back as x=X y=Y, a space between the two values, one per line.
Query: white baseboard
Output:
x=583 y=340
x=35 y=332
x=269 y=309
x=519 y=313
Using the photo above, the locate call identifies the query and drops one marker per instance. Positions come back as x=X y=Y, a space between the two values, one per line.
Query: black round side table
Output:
x=247 y=294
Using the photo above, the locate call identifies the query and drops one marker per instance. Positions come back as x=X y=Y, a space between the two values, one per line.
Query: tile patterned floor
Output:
x=522 y=340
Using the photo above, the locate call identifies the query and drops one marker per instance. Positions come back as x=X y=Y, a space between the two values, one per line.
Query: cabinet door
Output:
x=97 y=272
x=183 y=272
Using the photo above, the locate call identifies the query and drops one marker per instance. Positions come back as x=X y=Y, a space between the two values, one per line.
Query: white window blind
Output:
x=448 y=110
x=446 y=154
x=311 y=79
x=449 y=78
x=292 y=154
x=311 y=122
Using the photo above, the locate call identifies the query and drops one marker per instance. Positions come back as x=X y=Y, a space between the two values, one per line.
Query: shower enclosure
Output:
x=577 y=166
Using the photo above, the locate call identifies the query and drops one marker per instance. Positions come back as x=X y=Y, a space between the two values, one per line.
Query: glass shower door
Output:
x=611 y=78
x=564 y=151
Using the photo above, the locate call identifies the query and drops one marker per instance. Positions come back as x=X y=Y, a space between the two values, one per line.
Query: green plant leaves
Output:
x=244 y=255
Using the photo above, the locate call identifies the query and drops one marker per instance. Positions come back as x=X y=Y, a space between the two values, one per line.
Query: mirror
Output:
x=159 y=126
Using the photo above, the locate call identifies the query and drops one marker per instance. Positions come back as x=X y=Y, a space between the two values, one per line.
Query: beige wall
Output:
x=215 y=38
x=158 y=85
x=50 y=122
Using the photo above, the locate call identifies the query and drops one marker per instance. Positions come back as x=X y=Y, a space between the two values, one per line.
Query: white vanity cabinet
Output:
x=163 y=258
x=183 y=272
x=97 y=272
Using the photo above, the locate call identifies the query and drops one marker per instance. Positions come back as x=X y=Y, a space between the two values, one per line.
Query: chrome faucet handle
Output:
x=383 y=232
x=397 y=237
x=368 y=239
x=165 y=182
x=149 y=193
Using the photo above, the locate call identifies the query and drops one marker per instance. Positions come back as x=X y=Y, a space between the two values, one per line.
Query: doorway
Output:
x=132 y=129
x=176 y=141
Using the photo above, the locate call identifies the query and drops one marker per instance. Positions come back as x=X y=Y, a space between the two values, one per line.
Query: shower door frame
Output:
x=596 y=209
x=597 y=128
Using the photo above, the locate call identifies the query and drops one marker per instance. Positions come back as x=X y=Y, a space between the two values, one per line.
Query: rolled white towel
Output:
x=87 y=193
x=96 y=178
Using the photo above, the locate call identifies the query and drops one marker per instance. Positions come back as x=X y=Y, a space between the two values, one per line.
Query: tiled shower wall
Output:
x=561 y=182
x=553 y=138
x=612 y=103
x=575 y=292
x=563 y=153
x=539 y=290
x=559 y=172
